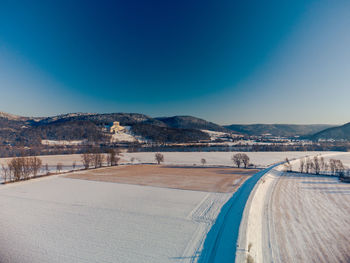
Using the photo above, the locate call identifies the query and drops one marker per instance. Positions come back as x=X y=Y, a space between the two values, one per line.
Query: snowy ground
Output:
x=56 y=219
x=311 y=220
x=260 y=159
x=292 y=217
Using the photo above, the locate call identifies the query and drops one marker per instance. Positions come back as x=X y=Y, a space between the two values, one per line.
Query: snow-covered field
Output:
x=57 y=219
x=311 y=220
x=296 y=218
x=260 y=159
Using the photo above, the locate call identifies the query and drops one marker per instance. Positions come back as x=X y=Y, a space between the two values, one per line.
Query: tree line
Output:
x=318 y=165
x=96 y=159
x=21 y=168
x=24 y=168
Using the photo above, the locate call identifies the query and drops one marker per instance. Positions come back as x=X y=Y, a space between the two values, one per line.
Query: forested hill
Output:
x=190 y=122
x=283 y=130
x=334 y=133
x=19 y=130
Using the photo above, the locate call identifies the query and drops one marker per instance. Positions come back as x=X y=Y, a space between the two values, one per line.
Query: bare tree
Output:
x=35 y=164
x=317 y=165
x=326 y=167
x=302 y=164
x=287 y=165
x=237 y=159
x=322 y=164
x=203 y=161
x=159 y=158
x=26 y=167
x=86 y=160
x=47 y=171
x=340 y=169
x=113 y=157
x=308 y=165
x=16 y=168
x=245 y=160
x=312 y=166
x=5 y=172
x=59 y=167
x=99 y=159
x=332 y=166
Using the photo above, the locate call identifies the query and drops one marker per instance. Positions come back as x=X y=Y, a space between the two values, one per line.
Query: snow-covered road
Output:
x=221 y=242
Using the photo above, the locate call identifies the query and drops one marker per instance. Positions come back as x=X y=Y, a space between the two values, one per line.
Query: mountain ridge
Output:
x=15 y=128
x=336 y=133
x=283 y=130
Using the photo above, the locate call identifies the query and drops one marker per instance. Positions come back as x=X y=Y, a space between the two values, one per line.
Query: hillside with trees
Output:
x=189 y=122
x=335 y=133
x=281 y=130
x=169 y=135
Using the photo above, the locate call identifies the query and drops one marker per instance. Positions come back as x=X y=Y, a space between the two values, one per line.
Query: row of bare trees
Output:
x=317 y=165
x=241 y=159
x=21 y=168
x=96 y=159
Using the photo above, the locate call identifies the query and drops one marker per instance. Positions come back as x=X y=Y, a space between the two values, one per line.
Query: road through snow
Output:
x=220 y=243
x=294 y=217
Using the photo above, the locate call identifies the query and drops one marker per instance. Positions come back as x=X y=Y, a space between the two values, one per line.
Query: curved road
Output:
x=220 y=243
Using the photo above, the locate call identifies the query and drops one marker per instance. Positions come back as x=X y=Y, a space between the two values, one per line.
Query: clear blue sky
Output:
x=225 y=61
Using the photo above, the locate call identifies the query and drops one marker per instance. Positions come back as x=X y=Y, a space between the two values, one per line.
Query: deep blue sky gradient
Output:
x=226 y=61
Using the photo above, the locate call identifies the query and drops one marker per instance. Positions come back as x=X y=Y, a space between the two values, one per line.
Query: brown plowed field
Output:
x=209 y=179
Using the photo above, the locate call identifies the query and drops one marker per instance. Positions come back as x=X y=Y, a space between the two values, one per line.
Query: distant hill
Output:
x=18 y=130
x=336 y=133
x=28 y=131
x=12 y=117
x=168 y=134
x=189 y=122
x=283 y=130
x=125 y=119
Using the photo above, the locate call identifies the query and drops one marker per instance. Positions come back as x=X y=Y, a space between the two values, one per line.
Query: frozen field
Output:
x=213 y=158
x=57 y=219
x=260 y=159
x=311 y=220
x=293 y=217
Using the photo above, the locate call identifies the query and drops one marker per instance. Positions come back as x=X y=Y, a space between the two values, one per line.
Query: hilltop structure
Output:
x=116 y=127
